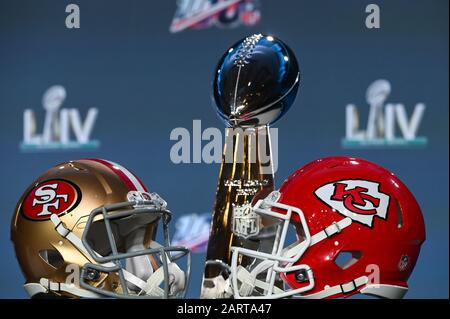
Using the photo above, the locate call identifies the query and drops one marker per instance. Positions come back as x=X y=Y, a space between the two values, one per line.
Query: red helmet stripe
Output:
x=131 y=180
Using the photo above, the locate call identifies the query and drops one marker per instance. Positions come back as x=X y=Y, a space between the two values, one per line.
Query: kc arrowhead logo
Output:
x=360 y=200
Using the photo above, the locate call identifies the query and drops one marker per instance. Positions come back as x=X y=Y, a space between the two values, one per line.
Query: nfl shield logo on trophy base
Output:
x=245 y=222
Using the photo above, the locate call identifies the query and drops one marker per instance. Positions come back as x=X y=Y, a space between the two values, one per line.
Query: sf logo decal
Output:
x=360 y=200
x=50 y=197
x=47 y=197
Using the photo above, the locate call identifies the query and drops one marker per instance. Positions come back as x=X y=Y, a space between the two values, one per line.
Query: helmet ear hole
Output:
x=52 y=257
x=345 y=259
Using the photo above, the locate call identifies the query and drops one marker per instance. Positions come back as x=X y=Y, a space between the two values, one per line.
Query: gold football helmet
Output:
x=87 y=228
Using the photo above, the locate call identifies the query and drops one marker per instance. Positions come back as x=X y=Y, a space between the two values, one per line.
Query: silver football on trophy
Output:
x=256 y=81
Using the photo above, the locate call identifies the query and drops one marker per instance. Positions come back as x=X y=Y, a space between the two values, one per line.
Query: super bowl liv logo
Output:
x=192 y=231
x=201 y=14
x=58 y=125
x=383 y=121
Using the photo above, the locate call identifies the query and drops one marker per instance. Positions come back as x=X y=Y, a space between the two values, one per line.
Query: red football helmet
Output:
x=358 y=229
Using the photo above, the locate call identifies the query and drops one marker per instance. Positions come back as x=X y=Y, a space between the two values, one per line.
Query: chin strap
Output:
x=67 y=234
x=344 y=288
x=385 y=291
x=249 y=282
x=327 y=232
x=149 y=287
x=176 y=281
x=331 y=230
x=46 y=285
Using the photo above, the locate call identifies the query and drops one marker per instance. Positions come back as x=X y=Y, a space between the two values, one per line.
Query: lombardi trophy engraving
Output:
x=255 y=83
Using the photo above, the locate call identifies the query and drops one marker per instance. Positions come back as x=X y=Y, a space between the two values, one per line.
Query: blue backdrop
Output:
x=146 y=81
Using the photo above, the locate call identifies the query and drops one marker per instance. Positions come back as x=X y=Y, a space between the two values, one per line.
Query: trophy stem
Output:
x=246 y=169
